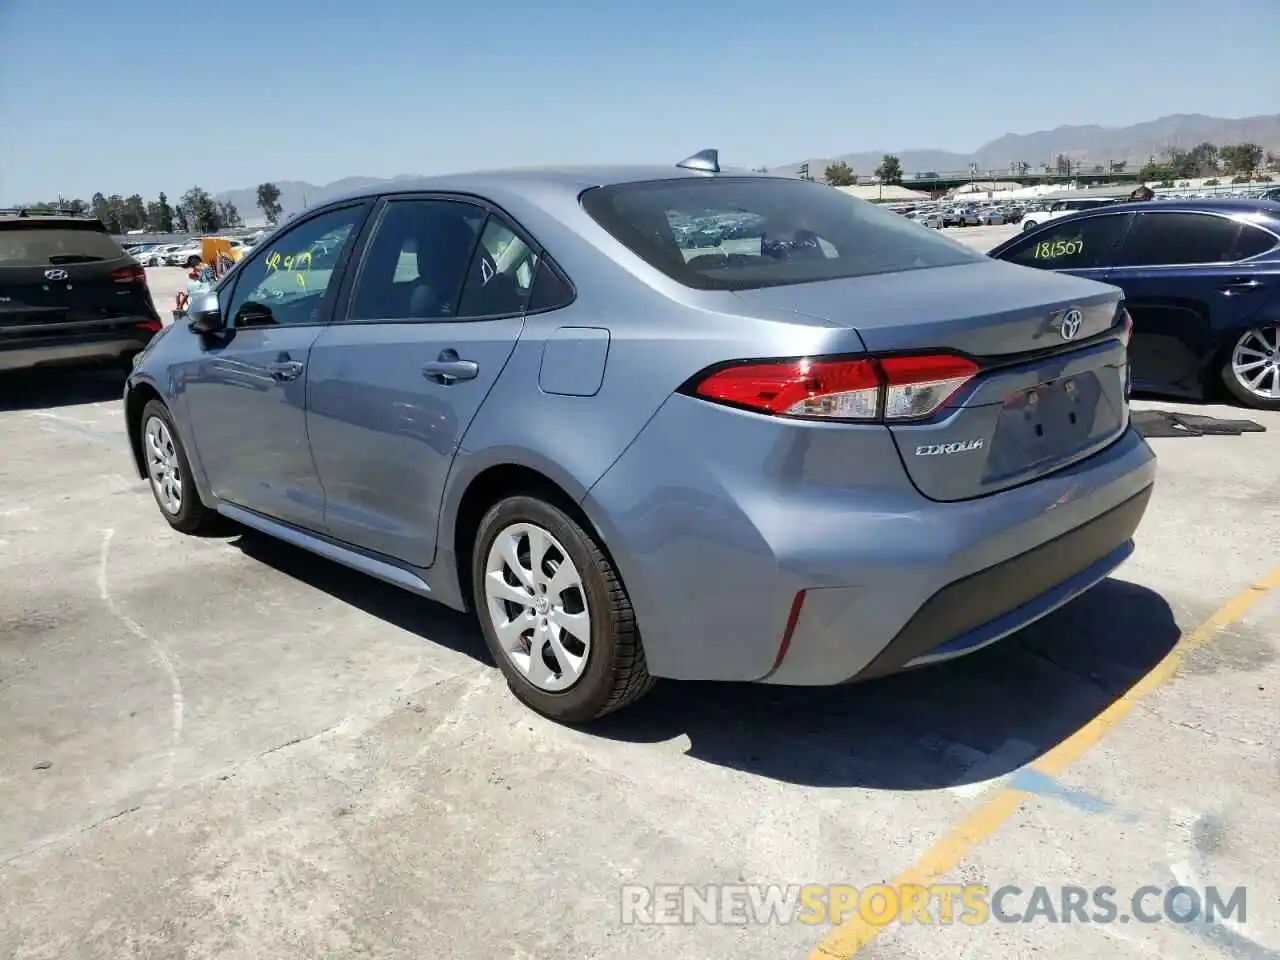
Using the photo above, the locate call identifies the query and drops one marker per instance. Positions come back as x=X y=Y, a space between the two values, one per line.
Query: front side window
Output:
x=1084 y=243
x=1169 y=239
x=738 y=233
x=287 y=282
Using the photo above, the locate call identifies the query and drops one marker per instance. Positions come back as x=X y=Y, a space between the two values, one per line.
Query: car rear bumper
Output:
x=720 y=520
x=71 y=352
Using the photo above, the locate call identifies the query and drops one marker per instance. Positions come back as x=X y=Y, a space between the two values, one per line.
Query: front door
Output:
x=246 y=392
x=431 y=320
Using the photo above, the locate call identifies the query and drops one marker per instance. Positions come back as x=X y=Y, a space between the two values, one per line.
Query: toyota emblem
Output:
x=1070 y=326
x=55 y=274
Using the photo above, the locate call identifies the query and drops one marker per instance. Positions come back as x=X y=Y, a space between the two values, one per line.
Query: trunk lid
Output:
x=1040 y=401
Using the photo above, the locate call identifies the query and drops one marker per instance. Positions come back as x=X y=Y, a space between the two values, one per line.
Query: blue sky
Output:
x=140 y=95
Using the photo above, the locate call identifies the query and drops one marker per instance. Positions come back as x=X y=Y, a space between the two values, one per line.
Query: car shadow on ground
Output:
x=50 y=389
x=431 y=621
x=969 y=720
x=960 y=722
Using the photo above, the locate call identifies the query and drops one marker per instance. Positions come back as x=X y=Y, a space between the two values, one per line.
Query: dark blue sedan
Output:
x=1201 y=279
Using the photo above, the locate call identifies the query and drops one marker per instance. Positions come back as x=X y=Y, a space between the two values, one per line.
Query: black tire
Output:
x=1028 y=225
x=1236 y=387
x=193 y=516
x=615 y=673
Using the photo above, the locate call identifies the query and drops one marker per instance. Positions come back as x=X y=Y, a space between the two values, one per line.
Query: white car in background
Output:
x=155 y=254
x=1060 y=208
x=184 y=255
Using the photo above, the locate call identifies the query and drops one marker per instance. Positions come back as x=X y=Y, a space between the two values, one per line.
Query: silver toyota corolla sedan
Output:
x=657 y=422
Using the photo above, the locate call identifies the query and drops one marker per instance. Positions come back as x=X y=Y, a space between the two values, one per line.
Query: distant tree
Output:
x=1062 y=164
x=133 y=216
x=1206 y=158
x=269 y=202
x=1242 y=158
x=839 y=174
x=160 y=215
x=229 y=215
x=200 y=211
x=99 y=207
x=1273 y=160
x=1211 y=182
x=1155 y=171
x=890 y=169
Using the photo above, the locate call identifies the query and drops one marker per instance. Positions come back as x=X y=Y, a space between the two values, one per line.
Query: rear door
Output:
x=66 y=279
x=429 y=322
x=1086 y=246
x=1187 y=291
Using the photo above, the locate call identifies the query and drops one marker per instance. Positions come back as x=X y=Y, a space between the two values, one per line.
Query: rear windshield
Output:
x=40 y=244
x=739 y=233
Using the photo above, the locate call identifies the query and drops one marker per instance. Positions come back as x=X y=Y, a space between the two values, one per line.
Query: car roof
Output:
x=567 y=179
x=47 y=219
x=1227 y=205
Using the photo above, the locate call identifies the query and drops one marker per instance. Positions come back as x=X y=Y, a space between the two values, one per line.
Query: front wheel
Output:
x=1028 y=225
x=169 y=472
x=554 y=613
x=1252 y=370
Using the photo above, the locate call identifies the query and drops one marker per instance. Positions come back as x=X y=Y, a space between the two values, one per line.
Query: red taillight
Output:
x=840 y=389
x=861 y=388
x=918 y=386
x=155 y=326
x=134 y=274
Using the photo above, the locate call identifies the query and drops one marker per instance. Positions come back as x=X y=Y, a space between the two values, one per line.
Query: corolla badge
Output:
x=943 y=449
x=1071 y=323
x=55 y=274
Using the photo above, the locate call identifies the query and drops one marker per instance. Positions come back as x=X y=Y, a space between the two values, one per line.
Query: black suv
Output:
x=69 y=294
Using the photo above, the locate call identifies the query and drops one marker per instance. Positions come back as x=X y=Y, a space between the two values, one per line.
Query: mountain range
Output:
x=1086 y=144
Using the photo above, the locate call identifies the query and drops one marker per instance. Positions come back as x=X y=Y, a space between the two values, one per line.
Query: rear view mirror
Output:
x=204 y=314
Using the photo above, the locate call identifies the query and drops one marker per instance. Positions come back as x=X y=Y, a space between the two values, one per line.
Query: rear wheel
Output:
x=555 y=613
x=169 y=472
x=1027 y=225
x=1252 y=369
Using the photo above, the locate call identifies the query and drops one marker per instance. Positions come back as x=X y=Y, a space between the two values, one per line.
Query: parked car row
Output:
x=186 y=254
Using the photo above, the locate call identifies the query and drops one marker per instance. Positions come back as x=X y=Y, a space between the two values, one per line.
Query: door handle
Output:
x=285 y=370
x=1234 y=288
x=447 y=368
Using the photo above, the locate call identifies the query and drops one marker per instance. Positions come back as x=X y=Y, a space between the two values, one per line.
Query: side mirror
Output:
x=204 y=314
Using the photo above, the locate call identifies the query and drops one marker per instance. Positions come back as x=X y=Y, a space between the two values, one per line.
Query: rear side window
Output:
x=1079 y=244
x=550 y=290
x=739 y=233
x=1252 y=241
x=40 y=244
x=1169 y=239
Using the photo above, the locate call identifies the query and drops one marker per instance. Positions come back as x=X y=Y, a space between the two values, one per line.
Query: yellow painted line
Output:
x=948 y=852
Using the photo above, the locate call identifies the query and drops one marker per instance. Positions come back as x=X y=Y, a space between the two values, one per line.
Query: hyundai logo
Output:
x=1071 y=323
x=55 y=274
